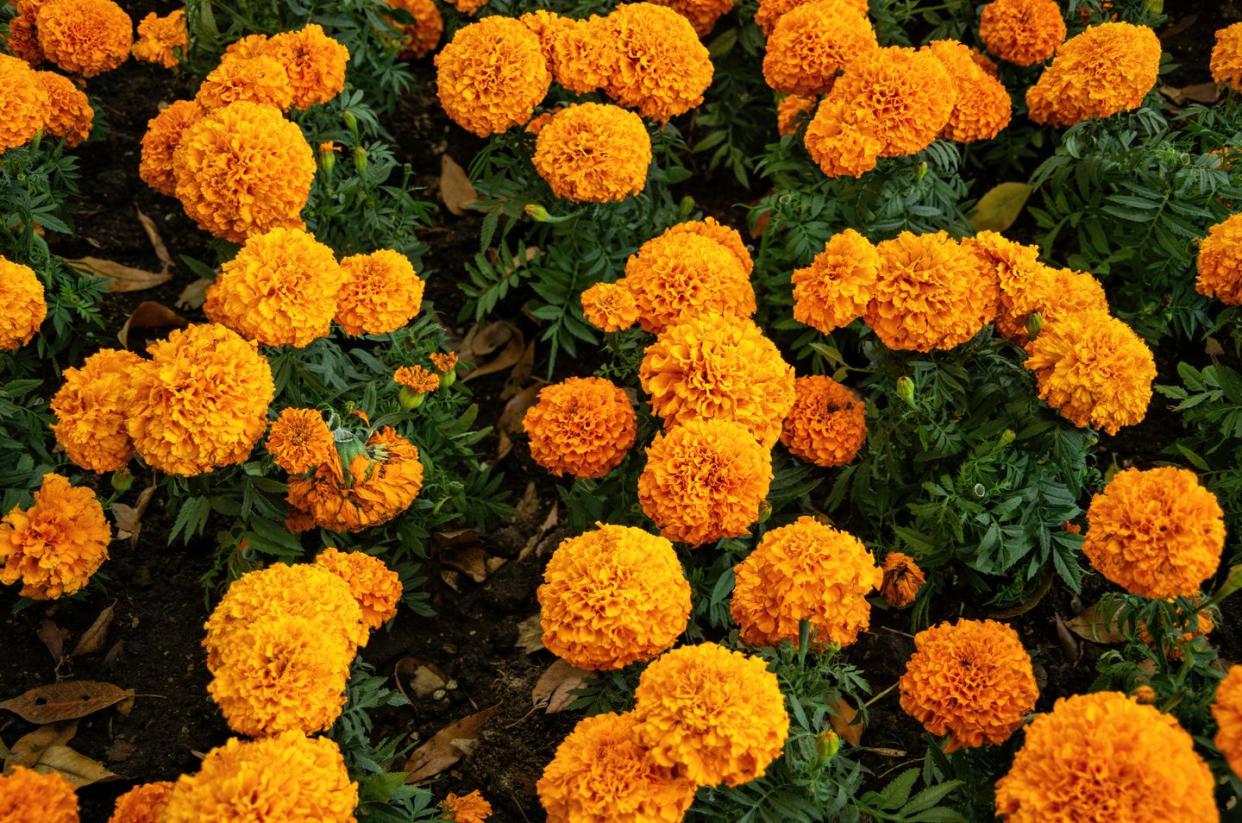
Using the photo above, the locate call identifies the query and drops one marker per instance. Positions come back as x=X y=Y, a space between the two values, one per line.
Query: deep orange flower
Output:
x=491 y=75
x=792 y=111
x=1022 y=32
x=702 y=14
x=983 y=107
x=467 y=6
x=54 y=546
x=258 y=79
x=144 y=803
x=583 y=426
x=423 y=35
x=827 y=424
x=27 y=796
x=21 y=294
x=843 y=139
x=418 y=379
x=1227 y=711
x=69 y=113
x=381 y=293
x=771 y=11
x=86 y=37
x=1024 y=283
x=902 y=580
x=726 y=236
x=1226 y=62
x=468 y=808
x=443 y=362
x=376 y=587
x=609 y=306
x=300 y=440
x=164 y=132
x=653 y=60
x=579 y=52
x=23 y=40
x=24 y=103
x=162 y=40
x=1220 y=262
x=1107 y=69
x=90 y=410
x=679 y=274
x=593 y=153
x=314 y=62
x=812 y=43
x=836 y=288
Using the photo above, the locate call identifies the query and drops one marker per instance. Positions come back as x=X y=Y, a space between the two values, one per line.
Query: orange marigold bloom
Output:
x=1107 y=69
x=593 y=153
x=792 y=111
x=902 y=580
x=702 y=14
x=583 y=426
x=972 y=680
x=804 y=571
x=704 y=480
x=579 y=52
x=27 y=796
x=443 y=362
x=162 y=40
x=288 y=777
x=423 y=35
x=679 y=274
x=726 y=236
x=314 y=62
x=827 y=424
x=1220 y=262
x=23 y=40
x=1156 y=533
x=258 y=79
x=1022 y=32
x=467 y=6
x=601 y=774
x=1066 y=292
x=719 y=366
x=300 y=441
x=983 y=107
x=930 y=293
x=86 y=37
x=418 y=379
x=90 y=411
x=653 y=61
x=376 y=587
x=160 y=142
x=491 y=75
x=69 y=113
x=613 y=596
x=467 y=808
x=836 y=288
x=1104 y=756
x=1227 y=711
x=54 y=546
x=24 y=103
x=1226 y=62
x=21 y=294
x=609 y=306
x=200 y=402
x=280 y=289
x=771 y=11
x=843 y=139
x=381 y=293
x=812 y=43
x=1023 y=281
x=143 y=804
x=716 y=714
x=1093 y=369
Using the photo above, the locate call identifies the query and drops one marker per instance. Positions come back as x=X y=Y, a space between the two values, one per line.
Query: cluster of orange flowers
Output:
x=53 y=547
x=40 y=101
x=82 y=37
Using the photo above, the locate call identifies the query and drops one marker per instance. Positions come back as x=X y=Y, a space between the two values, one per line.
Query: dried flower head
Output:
x=313 y=61
x=300 y=441
x=491 y=75
x=145 y=803
x=609 y=306
x=54 y=546
x=1227 y=711
x=812 y=43
x=90 y=411
x=983 y=107
x=423 y=35
x=583 y=426
x=1220 y=262
x=21 y=294
x=1022 y=32
x=86 y=37
x=28 y=796
x=381 y=293
x=162 y=40
x=69 y=113
x=164 y=132
x=1107 y=69
x=1226 y=61
x=24 y=103
x=678 y=275
x=593 y=153
x=902 y=580
x=376 y=587
x=258 y=79
x=653 y=61
x=467 y=808
x=836 y=288
x=827 y=424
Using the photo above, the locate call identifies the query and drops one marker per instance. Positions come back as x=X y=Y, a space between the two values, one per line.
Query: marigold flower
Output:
x=613 y=596
x=467 y=6
x=90 y=411
x=1226 y=61
x=811 y=43
x=1107 y=69
x=902 y=580
x=258 y=79
x=491 y=75
x=726 y=236
x=200 y=402
x=843 y=139
x=716 y=714
x=54 y=546
x=467 y=808
x=27 y=796
x=162 y=40
x=678 y=275
x=313 y=61
x=418 y=379
x=1093 y=369
x=164 y=132
x=654 y=60
x=579 y=52
x=69 y=113
x=792 y=111
x=1024 y=283
x=1156 y=533
x=972 y=680
x=904 y=96
x=86 y=37
x=1227 y=711
x=287 y=777
x=719 y=366
x=983 y=107
x=300 y=440
x=609 y=306
x=827 y=424
x=420 y=37
x=1103 y=756
x=547 y=26
x=771 y=11
x=1220 y=262
x=583 y=426
x=381 y=293
x=836 y=288
x=21 y=294
x=24 y=103
x=702 y=14
x=23 y=39
x=1069 y=292
x=144 y=803
x=601 y=774
x=1022 y=32
x=443 y=362
x=376 y=587
x=593 y=153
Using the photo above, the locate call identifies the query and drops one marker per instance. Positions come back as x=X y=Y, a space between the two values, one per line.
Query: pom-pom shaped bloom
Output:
x=69 y=113
x=1157 y=533
x=27 y=796
x=583 y=426
x=24 y=103
x=654 y=60
x=23 y=40
x=704 y=480
x=21 y=294
x=611 y=597
x=771 y=11
x=1103 y=756
x=1107 y=69
x=805 y=571
x=1227 y=711
x=702 y=14
x=420 y=37
x=258 y=79
x=90 y=411
x=1226 y=62
x=1070 y=292
x=281 y=289
x=491 y=75
x=716 y=366
x=982 y=108
x=792 y=111
x=164 y=132
x=1023 y=281
x=575 y=50
x=376 y=587
x=600 y=774
x=162 y=39
x=972 y=680
x=902 y=580
x=837 y=287
x=288 y=777
x=930 y=293
x=313 y=61
x=1220 y=262
x=86 y=37
x=717 y=714
x=827 y=424
x=680 y=274
x=609 y=306
x=812 y=43
x=144 y=803
x=54 y=546
x=1093 y=369
x=593 y=153
x=300 y=441
x=466 y=808
x=381 y=293
x=712 y=229
x=200 y=402
x=843 y=139
x=1022 y=32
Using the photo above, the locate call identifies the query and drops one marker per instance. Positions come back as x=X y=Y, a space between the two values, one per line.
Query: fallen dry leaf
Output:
x=194 y=295
x=157 y=242
x=70 y=700
x=28 y=749
x=1097 y=625
x=121 y=278
x=508 y=357
x=841 y=717
x=129 y=518
x=511 y=417
x=92 y=640
x=554 y=689
x=530 y=634
x=423 y=678
x=470 y=561
x=150 y=315
x=520 y=374
x=534 y=545
x=456 y=190
x=54 y=637
x=75 y=767
x=447 y=746
x=1195 y=93
x=529 y=505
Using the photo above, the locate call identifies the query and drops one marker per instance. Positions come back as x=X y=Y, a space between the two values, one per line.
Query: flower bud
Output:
x=765 y=511
x=410 y=400
x=905 y=390
x=1145 y=694
x=537 y=212
x=122 y=480
x=921 y=171
x=980 y=491
x=827 y=744
x=1007 y=437
x=1232 y=583
x=1034 y=324
x=360 y=159
x=448 y=378
x=351 y=122
x=685 y=206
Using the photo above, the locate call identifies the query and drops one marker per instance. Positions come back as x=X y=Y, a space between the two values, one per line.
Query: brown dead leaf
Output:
x=534 y=544
x=65 y=701
x=157 y=242
x=129 y=518
x=529 y=505
x=520 y=374
x=508 y=357
x=1069 y=643
x=121 y=278
x=77 y=768
x=470 y=561
x=447 y=746
x=92 y=640
x=424 y=679
x=113 y=653
x=150 y=315
x=194 y=295
x=841 y=717
x=1097 y=625
x=456 y=190
x=28 y=749
x=554 y=689
x=54 y=637
x=1195 y=93
x=510 y=422
x=530 y=634
x=121 y=750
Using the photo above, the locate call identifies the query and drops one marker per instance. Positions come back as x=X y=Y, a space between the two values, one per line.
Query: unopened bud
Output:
x=350 y=121
x=537 y=212
x=765 y=511
x=360 y=159
x=1034 y=324
x=1007 y=437
x=1232 y=583
x=921 y=172
x=1145 y=694
x=827 y=744
x=448 y=378
x=685 y=206
x=122 y=480
x=905 y=390
x=410 y=400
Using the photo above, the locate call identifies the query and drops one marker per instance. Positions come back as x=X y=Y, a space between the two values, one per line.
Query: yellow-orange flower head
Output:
x=160 y=39
x=679 y=275
x=1227 y=711
x=1220 y=262
x=704 y=480
x=583 y=426
x=280 y=289
x=702 y=14
x=243 y=169
x=1226 y=62
x=23 y=40
x=1156 y=533
x=726 y=236
x=200 y=402
x=24 y=103
x=593 y=153
x=792 y=111
x=771 y=11
x=972 y=680
x=812 y=43
x=314 y=62
x=69 y=113
x=491 y=75
x=717 y=366
x=842 y=138
x=258 y=79
x=902 y=580
x=468 y=808
x=381 y=293
x=423 y=35
x=90 y=411
x=21 y=294
x=1104 y=756
x=1093 y=369
x=288 y=777
x=54 y=546
x=611 y=597
x=164 y=132
x=27 y=796
x=827 y=424
x=805 y=571
x=983 y=107
x=1022 y=32
x=418 y=379
x=144 y=803
x=300 y=441
x=654 y=61
x=609 y=306
x=1023 y=281
x=576 y=51
x=836 y=288
x=86 y=37
x=376 y=587
x=716 y=714
x=601 y=774
x=1107 y=69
